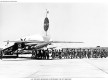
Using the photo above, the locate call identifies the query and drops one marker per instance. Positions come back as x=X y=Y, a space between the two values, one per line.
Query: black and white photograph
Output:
x=53 y=40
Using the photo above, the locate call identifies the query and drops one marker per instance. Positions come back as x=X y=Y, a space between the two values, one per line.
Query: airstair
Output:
x=9 y=51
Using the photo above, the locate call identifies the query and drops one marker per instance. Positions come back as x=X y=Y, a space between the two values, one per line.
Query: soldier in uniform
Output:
x=94 y=53
x=44 y=54
x=47 y=53
x=99 y=53
x=53 y=54
x=59 y=53
x=65 y=54
x=74 y=52
x=102 y=53
x=106 y=53
x=41 y=54
x=50 y=54
x=78 y=53
x=37 y=53
x=88 y=53
x=62 y=53
x=71 y=53
x=33 y=53
x=68 y=52
x=84 y=53
x=91 y=53
x=81 y=53
x=55 y=51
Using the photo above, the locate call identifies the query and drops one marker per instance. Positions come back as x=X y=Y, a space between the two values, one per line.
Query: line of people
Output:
x=69 y=54
x=85 y=53
x=40 y=54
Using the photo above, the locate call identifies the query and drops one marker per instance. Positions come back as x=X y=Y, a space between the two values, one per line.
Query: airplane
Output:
x=24 y=44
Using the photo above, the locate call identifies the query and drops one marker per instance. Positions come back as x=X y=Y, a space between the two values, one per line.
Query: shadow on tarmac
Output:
x=23 y=59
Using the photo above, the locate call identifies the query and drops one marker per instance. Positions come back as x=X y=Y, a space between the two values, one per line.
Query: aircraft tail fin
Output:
x=46 y=27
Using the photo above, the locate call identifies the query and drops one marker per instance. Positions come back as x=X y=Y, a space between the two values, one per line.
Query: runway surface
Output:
x=59 y=68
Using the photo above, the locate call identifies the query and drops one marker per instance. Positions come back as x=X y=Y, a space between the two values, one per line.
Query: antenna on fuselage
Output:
x=46 y=22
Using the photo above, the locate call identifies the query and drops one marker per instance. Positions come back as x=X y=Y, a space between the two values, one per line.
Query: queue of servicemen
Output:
x=69 y=53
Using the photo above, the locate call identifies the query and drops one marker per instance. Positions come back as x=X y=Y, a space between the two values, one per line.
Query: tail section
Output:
x=46 y=23
x=46 y=38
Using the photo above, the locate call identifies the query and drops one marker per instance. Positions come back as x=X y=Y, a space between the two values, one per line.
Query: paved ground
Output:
x=64 y=68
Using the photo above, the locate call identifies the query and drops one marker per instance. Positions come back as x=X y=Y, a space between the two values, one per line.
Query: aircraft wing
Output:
x=27 y=41
x=35 y=41
x=64 y=42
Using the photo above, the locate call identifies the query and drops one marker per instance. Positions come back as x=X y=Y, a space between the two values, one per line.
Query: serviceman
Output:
x=62 y=53
x=75 y=53
x=78 y=53
x=44 y=54
x=84 y=53
x=71 y=53
x=53 y=54
x=65 y=54
x=88 y=53
x=94 y=53
x=47 y=53
x=59 y=53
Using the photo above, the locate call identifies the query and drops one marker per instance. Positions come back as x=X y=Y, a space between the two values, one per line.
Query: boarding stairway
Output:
x=9 y=51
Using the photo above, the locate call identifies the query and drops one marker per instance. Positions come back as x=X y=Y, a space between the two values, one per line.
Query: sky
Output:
x=82 y=22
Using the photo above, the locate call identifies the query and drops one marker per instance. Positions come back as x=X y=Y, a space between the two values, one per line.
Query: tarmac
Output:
x=54 y=69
